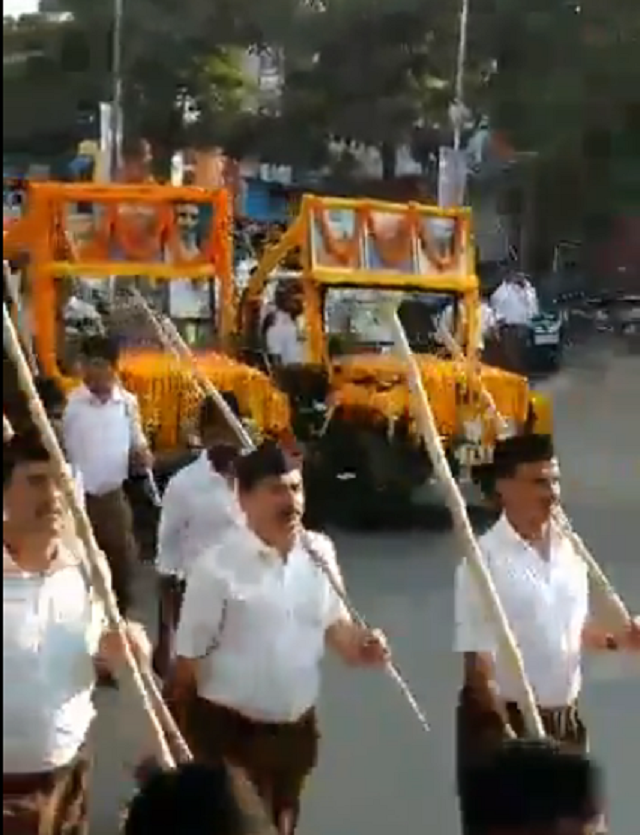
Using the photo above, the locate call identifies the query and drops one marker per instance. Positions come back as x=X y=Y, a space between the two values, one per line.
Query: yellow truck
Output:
x=349 y=398
x=71 y=231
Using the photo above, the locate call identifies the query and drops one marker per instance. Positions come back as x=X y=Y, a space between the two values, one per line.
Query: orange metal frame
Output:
x=155 y=251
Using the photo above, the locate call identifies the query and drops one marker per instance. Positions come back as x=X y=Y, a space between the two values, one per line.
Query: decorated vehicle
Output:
x=91 y=233
x=351 y=404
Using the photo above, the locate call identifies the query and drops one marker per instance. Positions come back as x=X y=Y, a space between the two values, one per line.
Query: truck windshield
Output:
x=354 y=319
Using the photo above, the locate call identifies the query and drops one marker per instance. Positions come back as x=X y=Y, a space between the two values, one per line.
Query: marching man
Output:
x=54 y=637
x=198 y=507
x=543 y=586
x=257 y=615
x=104 y=441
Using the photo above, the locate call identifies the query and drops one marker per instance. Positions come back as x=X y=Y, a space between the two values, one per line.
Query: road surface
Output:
x=379 y=773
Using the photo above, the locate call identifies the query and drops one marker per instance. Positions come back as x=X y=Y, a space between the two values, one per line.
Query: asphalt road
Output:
x=379 y=773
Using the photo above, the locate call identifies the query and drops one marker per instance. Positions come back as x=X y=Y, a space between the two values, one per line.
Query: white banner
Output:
x=452 y=178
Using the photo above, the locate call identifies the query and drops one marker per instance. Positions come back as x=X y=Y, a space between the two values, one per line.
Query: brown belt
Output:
x=562 y=718
x=19 y=784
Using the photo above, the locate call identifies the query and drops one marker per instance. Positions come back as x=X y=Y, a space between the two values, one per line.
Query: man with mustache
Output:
x=544 y=589
x=54 y=636
x=256 y=618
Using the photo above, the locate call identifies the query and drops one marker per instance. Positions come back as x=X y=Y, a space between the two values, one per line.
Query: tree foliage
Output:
x=557 y=76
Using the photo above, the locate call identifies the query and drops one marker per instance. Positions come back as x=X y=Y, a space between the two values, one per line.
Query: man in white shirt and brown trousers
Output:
x=198 y=507
x=515 y=304
x=105 y=442
x=54 y=635
x=256 y=618
x=544 y=588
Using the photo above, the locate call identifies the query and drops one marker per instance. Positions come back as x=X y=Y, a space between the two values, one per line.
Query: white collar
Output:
x=117 y=395
x=505 y=529
x=64 y=559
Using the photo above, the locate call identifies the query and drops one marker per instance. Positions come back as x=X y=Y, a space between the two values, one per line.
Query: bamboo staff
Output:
x=144 y=683
x=7 y=429
x=561 y=519
x=429 y=432
x=20 y=317
x=169 y=337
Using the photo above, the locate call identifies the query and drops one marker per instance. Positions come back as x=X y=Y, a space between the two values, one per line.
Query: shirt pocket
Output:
x=251 y=613
x=308 y=609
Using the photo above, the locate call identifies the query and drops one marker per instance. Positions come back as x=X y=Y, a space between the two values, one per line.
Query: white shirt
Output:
x=100 y=436
x=198 y=507
x=515 y=304
x=547 y=605
x=487 y=321
x=283 y=340
x=258 y=624
x=51 y=630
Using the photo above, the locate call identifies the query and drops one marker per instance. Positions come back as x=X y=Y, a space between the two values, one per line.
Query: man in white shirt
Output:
x=54 y=631
x=198 y=507
x=283 y=339
x=257 y=615
x=515 y=304
x=104 y=441
x=543 y=586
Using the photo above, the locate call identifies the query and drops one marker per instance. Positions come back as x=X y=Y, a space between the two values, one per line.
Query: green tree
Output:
x=565 y=85
x=370 y=71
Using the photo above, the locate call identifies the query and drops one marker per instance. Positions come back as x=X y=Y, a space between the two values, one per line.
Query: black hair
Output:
x=269 y=459
x=211 y=414
x=509 y=453
x=23 y=448
x=525 y=784
x=50 y=393
x=223 y=458
x=99 y=347
x=193 y=799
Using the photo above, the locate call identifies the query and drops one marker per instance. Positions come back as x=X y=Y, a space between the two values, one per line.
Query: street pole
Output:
x=117 y=108
x=460 y=71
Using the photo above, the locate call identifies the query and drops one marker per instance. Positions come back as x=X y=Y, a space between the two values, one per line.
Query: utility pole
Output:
x=461 y=63
x=117 y=104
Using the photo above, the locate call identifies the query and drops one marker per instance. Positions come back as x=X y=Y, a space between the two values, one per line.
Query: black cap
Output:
x=223 y=458
x=269 y=460
x=530 y=783
x=509 y=453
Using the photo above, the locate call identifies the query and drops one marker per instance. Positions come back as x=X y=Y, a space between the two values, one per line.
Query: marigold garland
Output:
x=374 y=387
x=395 y=248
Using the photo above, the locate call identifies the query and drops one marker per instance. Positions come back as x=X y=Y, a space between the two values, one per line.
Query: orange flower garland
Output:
x=394 y=249
x=441 y=262
x=342 y=250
